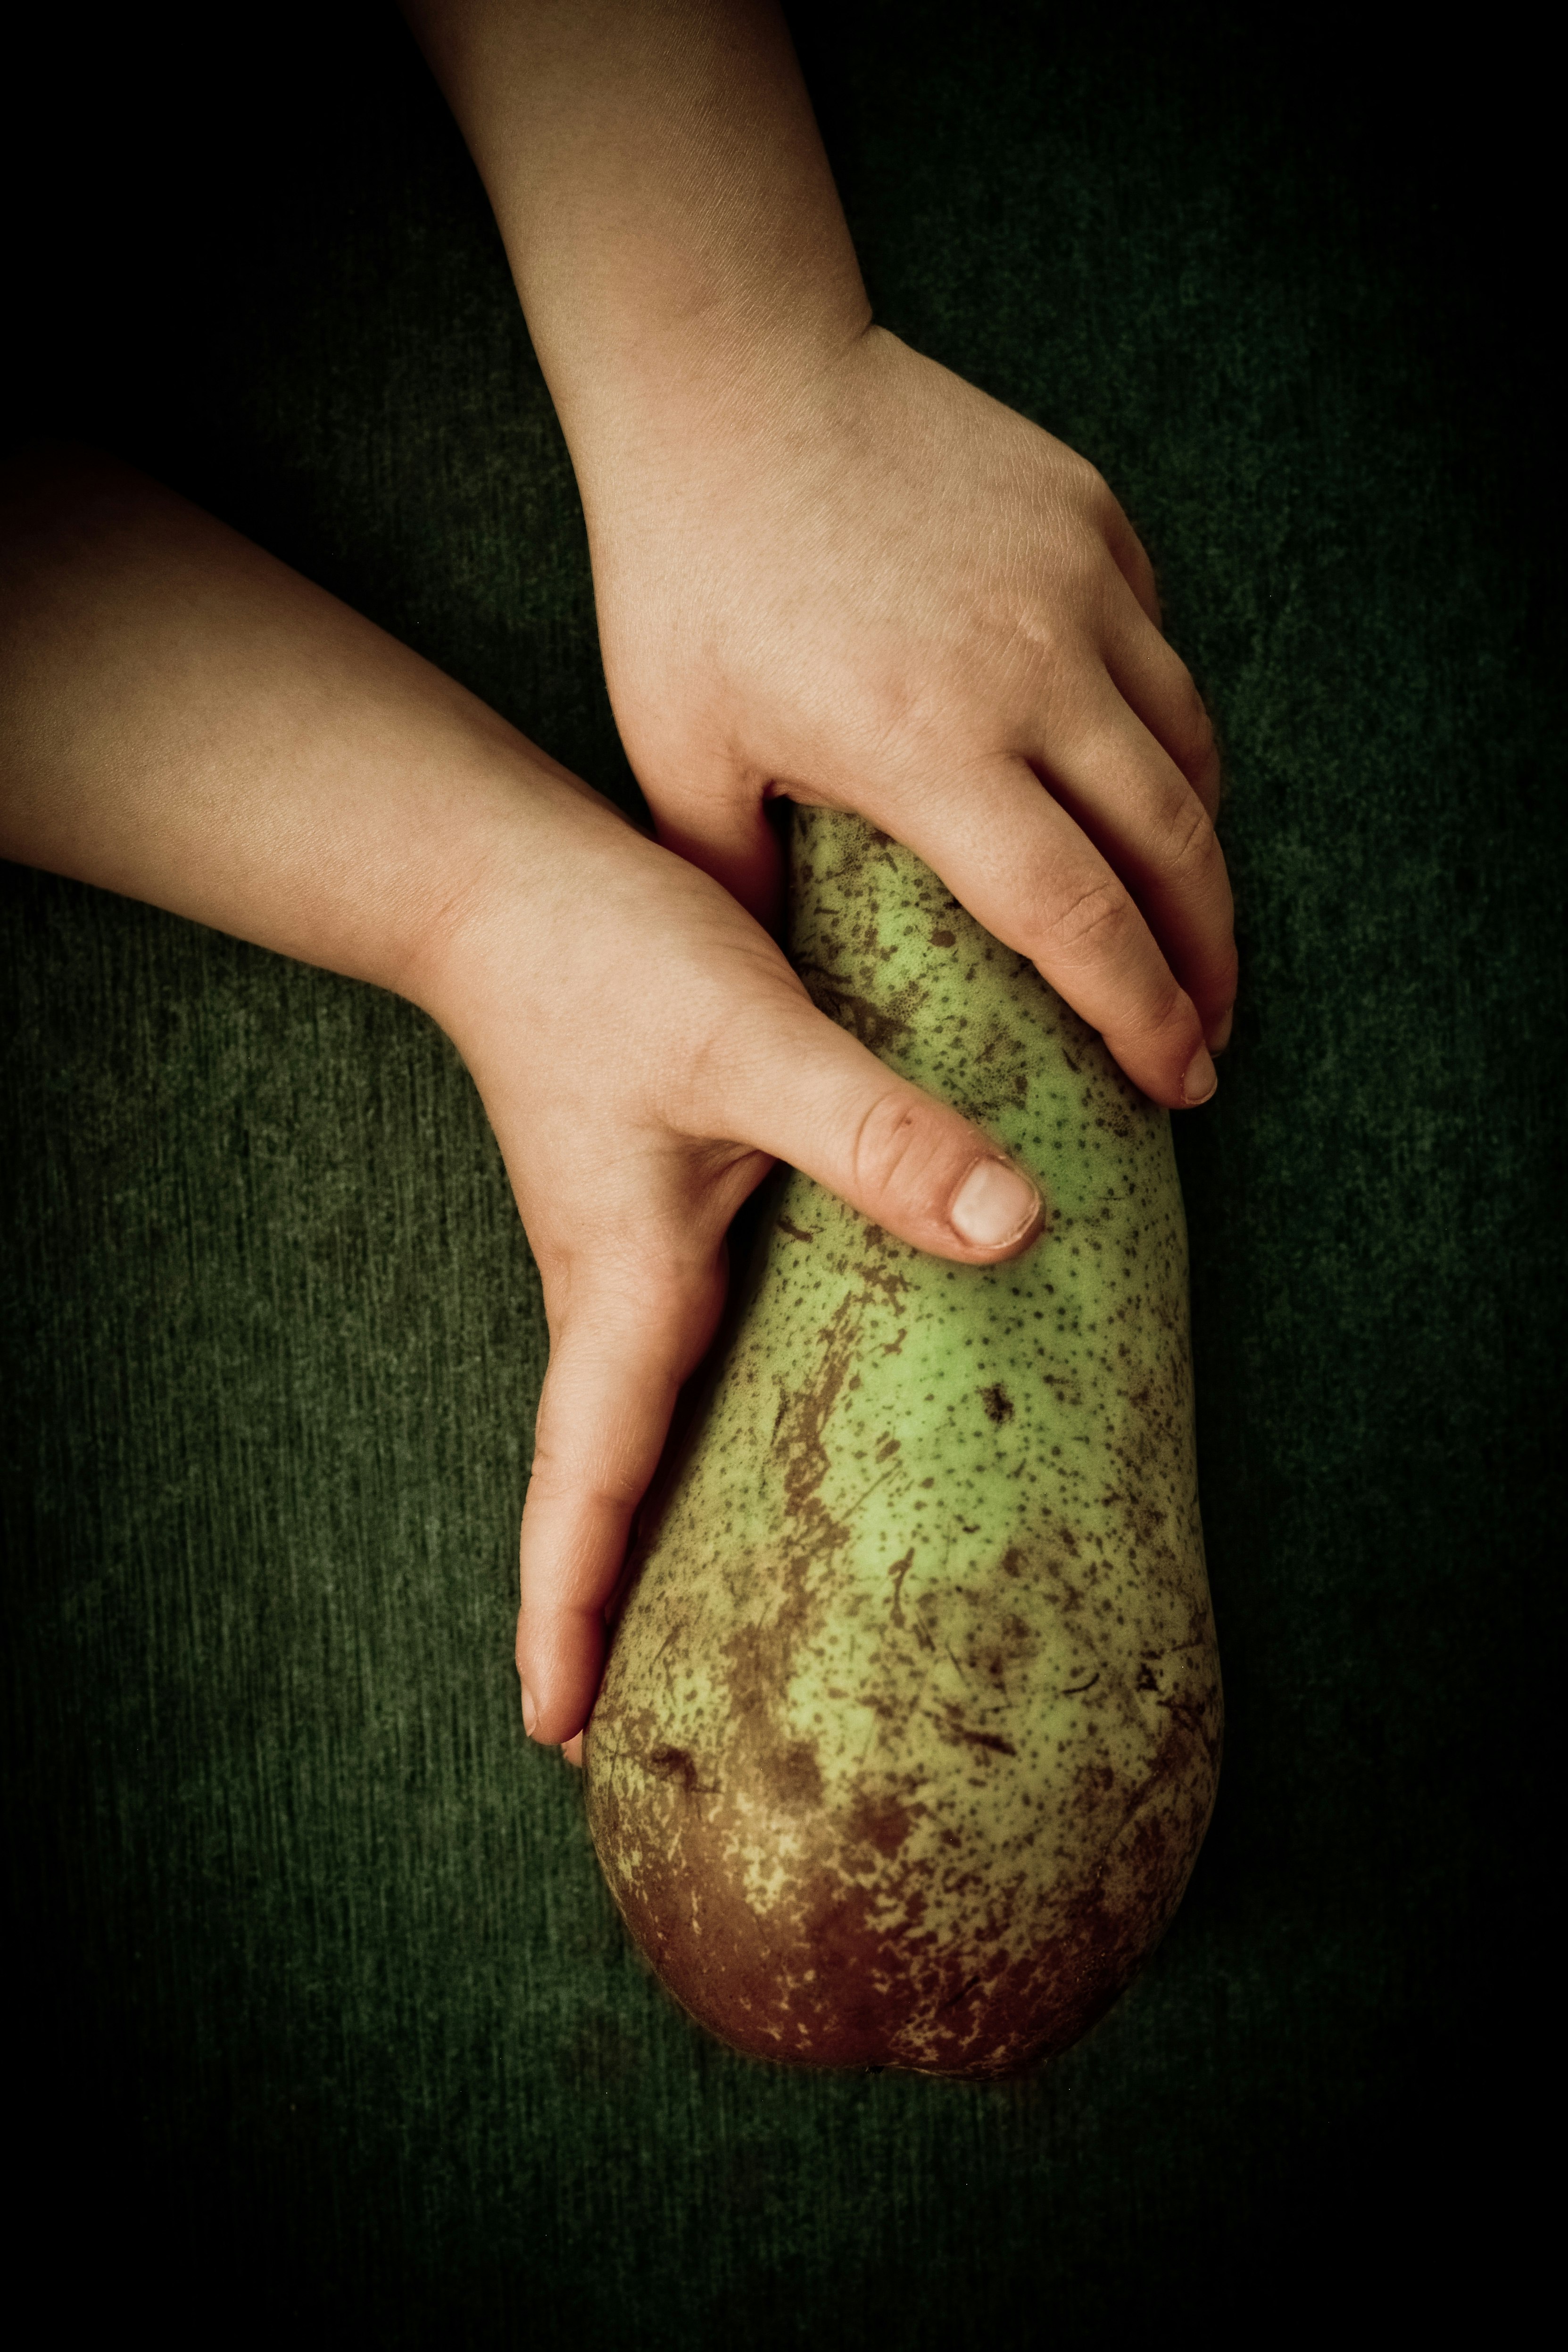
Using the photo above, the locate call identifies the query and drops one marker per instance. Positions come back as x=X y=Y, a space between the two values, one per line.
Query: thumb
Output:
x=810 y=1093
x=618 y=1357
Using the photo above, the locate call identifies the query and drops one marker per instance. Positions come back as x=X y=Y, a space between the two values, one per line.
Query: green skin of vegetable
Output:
x=910 y=1728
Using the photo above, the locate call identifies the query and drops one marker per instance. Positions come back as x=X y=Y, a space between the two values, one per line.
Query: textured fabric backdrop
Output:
x=324 y=2019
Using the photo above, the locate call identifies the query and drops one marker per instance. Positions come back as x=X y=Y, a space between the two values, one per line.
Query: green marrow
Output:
x=910 y=1727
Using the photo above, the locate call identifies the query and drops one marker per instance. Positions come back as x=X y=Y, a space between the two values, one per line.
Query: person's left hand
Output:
x=874 y=586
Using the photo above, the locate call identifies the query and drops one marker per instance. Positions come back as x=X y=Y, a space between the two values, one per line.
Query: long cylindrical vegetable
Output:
x=910 y=1728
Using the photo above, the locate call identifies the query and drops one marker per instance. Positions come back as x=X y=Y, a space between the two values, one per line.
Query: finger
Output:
x=1024 y=867
x=1127 y=553
x=1152 y=828
x=1156 y=683
x=797 y=1085
x=617 y=1362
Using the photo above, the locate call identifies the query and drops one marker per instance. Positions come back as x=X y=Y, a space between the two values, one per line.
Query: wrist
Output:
x=661 y=187
x=486 y=934
x=666 y=390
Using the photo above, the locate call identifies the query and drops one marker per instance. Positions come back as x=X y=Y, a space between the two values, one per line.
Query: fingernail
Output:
x=1221 y=1037
x=1201 y=1077
x=530 y=1712
x=993 y=1204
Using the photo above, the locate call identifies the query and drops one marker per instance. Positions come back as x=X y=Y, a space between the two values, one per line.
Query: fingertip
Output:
x=558 y=1661
x=1199 y=1079
x=1219 y=1036
x=996 y=1208
x=614 y=1373
x=571 y=1750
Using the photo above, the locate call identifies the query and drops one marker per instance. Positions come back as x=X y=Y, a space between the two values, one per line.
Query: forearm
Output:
x=670 y=218
x=823 y=565
x=186 y=721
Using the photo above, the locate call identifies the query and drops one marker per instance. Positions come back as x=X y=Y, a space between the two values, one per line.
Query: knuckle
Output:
x=1188 y=838
x=1196 y=727
x=591 y=1474
x=1163 y=1007
x=1097 y=921
x=1202 y=761
x=1207 y=778
x=895 y=1147
x=732 y=1029
x=1192 y=738
x=1094 y=489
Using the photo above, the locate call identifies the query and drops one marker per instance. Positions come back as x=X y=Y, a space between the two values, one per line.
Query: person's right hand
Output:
x=643 y=1051
x=184 y=719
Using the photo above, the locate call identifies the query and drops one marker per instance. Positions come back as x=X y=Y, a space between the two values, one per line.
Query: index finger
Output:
x=1022 y=866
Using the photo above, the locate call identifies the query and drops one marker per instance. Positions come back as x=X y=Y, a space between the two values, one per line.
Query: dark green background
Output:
x=321 y=2016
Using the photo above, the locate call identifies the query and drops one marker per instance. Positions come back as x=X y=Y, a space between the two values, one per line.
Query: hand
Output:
x=877 y=587
x=826 y=567
x=643 y=1049
x=183 y=720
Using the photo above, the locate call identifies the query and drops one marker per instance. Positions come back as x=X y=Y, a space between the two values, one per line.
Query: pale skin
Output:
x=187 y=721
x=825 y=567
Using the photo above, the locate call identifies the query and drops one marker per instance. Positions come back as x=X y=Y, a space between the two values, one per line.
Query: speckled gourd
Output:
x=910 y=1727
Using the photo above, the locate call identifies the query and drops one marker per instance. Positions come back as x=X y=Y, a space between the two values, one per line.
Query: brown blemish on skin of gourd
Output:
x=824 y=1982
x=875 y=1025
x=729 y=1970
